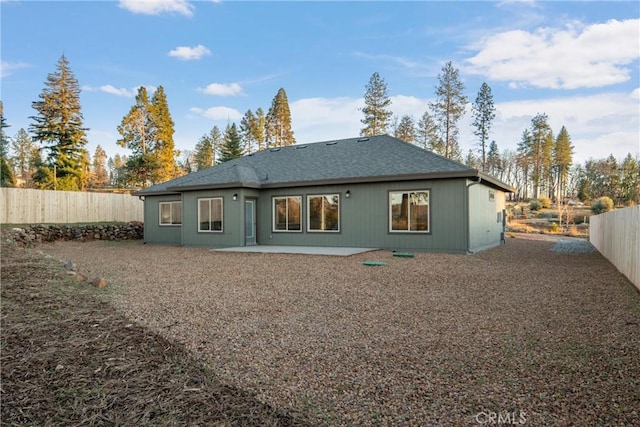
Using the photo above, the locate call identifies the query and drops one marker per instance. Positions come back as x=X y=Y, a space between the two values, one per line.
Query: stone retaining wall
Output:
x=49 y=233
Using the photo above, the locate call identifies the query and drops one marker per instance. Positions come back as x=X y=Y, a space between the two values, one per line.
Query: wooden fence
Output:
x=29 y=206
x=616 y=235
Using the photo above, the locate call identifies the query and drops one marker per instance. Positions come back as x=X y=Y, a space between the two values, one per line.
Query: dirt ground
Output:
x=517 y=333
x=68 y=358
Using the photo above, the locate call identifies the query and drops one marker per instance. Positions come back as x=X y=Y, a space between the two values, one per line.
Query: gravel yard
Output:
x=519 y=332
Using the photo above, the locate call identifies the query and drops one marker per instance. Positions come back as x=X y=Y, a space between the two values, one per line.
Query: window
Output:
x=287 y=213
x=323 y=213
x=210 y=215
x=170 y=213
x=409 y=211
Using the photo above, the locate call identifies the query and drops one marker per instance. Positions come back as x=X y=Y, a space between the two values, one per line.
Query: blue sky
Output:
x=578 y=62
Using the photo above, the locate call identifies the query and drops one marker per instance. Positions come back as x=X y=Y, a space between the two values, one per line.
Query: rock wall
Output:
x=49 y=233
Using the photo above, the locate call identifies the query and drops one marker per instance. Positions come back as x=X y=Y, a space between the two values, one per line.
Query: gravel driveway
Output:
x=518 y=333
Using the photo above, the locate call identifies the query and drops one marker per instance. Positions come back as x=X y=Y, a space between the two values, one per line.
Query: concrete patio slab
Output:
x=304 y=250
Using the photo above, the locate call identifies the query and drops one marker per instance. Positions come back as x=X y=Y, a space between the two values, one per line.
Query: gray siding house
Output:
x=376 y=192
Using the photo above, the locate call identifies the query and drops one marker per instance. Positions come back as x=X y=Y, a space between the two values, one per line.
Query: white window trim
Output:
x=273 y=214
x=221 y=214
x=390 y=213
x=309 y=197
x=171 y=204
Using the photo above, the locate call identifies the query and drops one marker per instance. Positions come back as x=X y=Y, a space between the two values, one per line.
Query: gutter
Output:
x=467 y=186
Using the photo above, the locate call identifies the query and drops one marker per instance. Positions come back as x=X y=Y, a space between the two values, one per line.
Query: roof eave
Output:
x=495 y=183
x=379 y=178
x=216 y=186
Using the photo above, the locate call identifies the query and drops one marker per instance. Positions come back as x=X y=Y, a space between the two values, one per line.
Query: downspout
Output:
x=478 y=181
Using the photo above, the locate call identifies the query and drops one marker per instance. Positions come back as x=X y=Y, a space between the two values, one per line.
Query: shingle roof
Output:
x=378 y=158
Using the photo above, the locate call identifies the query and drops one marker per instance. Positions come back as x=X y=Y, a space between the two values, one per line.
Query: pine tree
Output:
x=540 y=152
x=99 y=174
x=203 y=155
x=59 y=127
x=137 y=131
x=147 y=130
x=24 y=148
x=427 y=134
x=406 y=129
x=448 y=108
x=484 y=112
x=524 y=161
x=377 y=115
x=7 y=179
x=278 y=122
x=630 y=180
x=164 y=146
x=232 y=146
x=493 y=162
x=259 y=129
x=562 y=160
x=471 y=160
x=85 y=176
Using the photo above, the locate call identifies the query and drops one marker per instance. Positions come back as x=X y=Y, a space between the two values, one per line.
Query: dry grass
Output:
x=434 y=339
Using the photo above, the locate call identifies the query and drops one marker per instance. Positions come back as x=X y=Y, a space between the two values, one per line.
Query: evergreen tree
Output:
x=232 y=146
x=137 y=130
x=59 y=127
x=427 y=134
x=85 y=176
x=524 y=162
x=278 y=122
x=483 y=114
x=147 y=130
x=258 y=129
x=630 y=180
x=377 y=115
x=448 y=108
x=203 y=155
x=537 y=148
x=493 y=162
x=164 y=146
x=117 y=171
x=562 y=160
x=252 y=130
x=471 y=160
x=24 y=148
x=7 y=179
x=612 y=179
x=99 y=175
x=406 y=129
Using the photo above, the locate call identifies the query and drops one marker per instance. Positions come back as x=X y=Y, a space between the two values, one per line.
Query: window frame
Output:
x=408 y=230
x=273 y=214
x=311 y=196
x=171 y=222
x=210 y=199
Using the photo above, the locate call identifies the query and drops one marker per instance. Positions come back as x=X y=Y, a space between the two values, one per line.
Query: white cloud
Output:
x=222 y=89
x=218 y=113
x=186 y=53
x=577 y=56
x=321 y=119
x=155 y=7
x=124 y=92
x=7 y=68
x=118 y=92
x=598 y=124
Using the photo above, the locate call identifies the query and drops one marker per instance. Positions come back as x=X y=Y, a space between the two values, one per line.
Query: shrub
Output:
x=535 y=205
x=555 y=228
x=603 y=204
x=546 y=202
